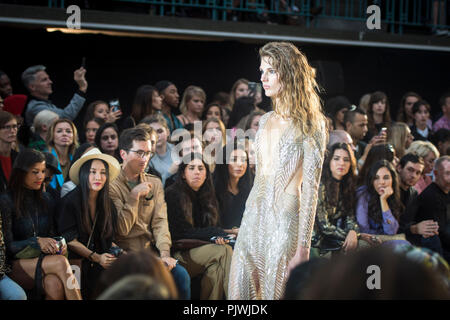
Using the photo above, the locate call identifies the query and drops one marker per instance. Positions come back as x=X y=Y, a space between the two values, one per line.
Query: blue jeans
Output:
x=9 y=290
x=182 y=281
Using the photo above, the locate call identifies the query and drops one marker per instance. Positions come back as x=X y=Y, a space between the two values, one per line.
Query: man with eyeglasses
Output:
x=141 y=208
x=8 y=136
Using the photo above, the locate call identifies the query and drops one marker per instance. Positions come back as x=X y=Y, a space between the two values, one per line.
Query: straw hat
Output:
x=95 y=153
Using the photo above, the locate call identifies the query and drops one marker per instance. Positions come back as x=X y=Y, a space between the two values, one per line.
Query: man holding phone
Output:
x=39 y=86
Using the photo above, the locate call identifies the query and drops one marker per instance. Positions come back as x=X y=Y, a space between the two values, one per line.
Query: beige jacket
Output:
x=141 y=223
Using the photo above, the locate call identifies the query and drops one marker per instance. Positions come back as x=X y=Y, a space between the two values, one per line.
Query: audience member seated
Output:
x=8 y=135
x=444 y=121
x=51 y=169
x=41 y=124
x=232 y=182
x=404 y=113
x=141 y=208
x=62 y=141
x=91 y=127
x=192 y=105
x=215 y=138
x=193 y=215
x=9 y=290
x=100 y=109
x=147 y=101
x=170 y=100
x=428 y=152
x=28 y=223
x=336 y=108
x=250 y=149
x=162 y=160
x=213 y=110
x=144 y=263
x=186 y=143
x=410 y=170
x=253 y=123
x=378 y=207
x=107 y=140
x=433 y=205
x=239 y=115
x=68 y=184
x=356 y=122
x=335 y=227
x=378 y=152
x=6 y=89
x=441 y=140
x=136 y=287
x=153 y=138
x=378 y=115
x=39 y=86
x=340 y=136
x=353 y=277
x=238 y=90
x=420 y=130
x=400 y=137
x=89 y=217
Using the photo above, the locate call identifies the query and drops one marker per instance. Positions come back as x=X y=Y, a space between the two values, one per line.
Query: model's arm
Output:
x=313 y=153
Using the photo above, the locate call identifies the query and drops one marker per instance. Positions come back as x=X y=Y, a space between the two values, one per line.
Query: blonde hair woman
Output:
x=429 y=153
x=400 y=137
x=192 y=105
x=276 y=229
x=62 y=140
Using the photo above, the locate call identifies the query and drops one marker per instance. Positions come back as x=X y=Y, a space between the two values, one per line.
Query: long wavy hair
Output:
x=103 y=206
x=142 y=104
x=378 y=152
x=298 y=98
x=393 y=201
x=347 y=186
x=206 y=196
x=16 y=185
x=51 y=135
x=397 y=136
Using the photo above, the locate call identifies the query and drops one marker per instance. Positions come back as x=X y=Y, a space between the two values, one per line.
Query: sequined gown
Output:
x=276 y=219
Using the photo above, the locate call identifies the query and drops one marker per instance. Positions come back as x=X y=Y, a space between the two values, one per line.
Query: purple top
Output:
x=443 y=122
x=366 y=224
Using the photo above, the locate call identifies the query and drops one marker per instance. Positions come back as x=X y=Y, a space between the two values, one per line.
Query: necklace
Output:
x=37 y=223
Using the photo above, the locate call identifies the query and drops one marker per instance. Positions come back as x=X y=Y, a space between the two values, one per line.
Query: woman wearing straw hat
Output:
x=88 y=216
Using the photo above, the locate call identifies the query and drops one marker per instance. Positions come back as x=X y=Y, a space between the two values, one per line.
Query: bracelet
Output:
x=90 y=256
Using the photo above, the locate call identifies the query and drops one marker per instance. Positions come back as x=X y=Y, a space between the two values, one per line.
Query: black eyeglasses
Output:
x=141 y=153
x=13 y=127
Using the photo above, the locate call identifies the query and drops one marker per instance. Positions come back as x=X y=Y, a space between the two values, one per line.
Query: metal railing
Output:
x=395 y=14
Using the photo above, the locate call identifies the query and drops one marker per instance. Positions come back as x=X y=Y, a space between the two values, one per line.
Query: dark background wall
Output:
x=118 y=65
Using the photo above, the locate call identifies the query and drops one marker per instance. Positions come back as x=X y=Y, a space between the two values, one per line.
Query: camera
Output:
x=115 y=251
x=252 y=87
x=114 y=104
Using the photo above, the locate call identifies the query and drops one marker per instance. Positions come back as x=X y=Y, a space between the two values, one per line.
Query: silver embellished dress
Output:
x=277 y=219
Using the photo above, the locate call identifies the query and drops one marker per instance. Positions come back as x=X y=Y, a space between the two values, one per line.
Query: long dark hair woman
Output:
x=193 y=214
x=335 y=227
x=107 y=140
x=378 y=200
x=233 y=182
x=89 y=216
x=38 y=260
